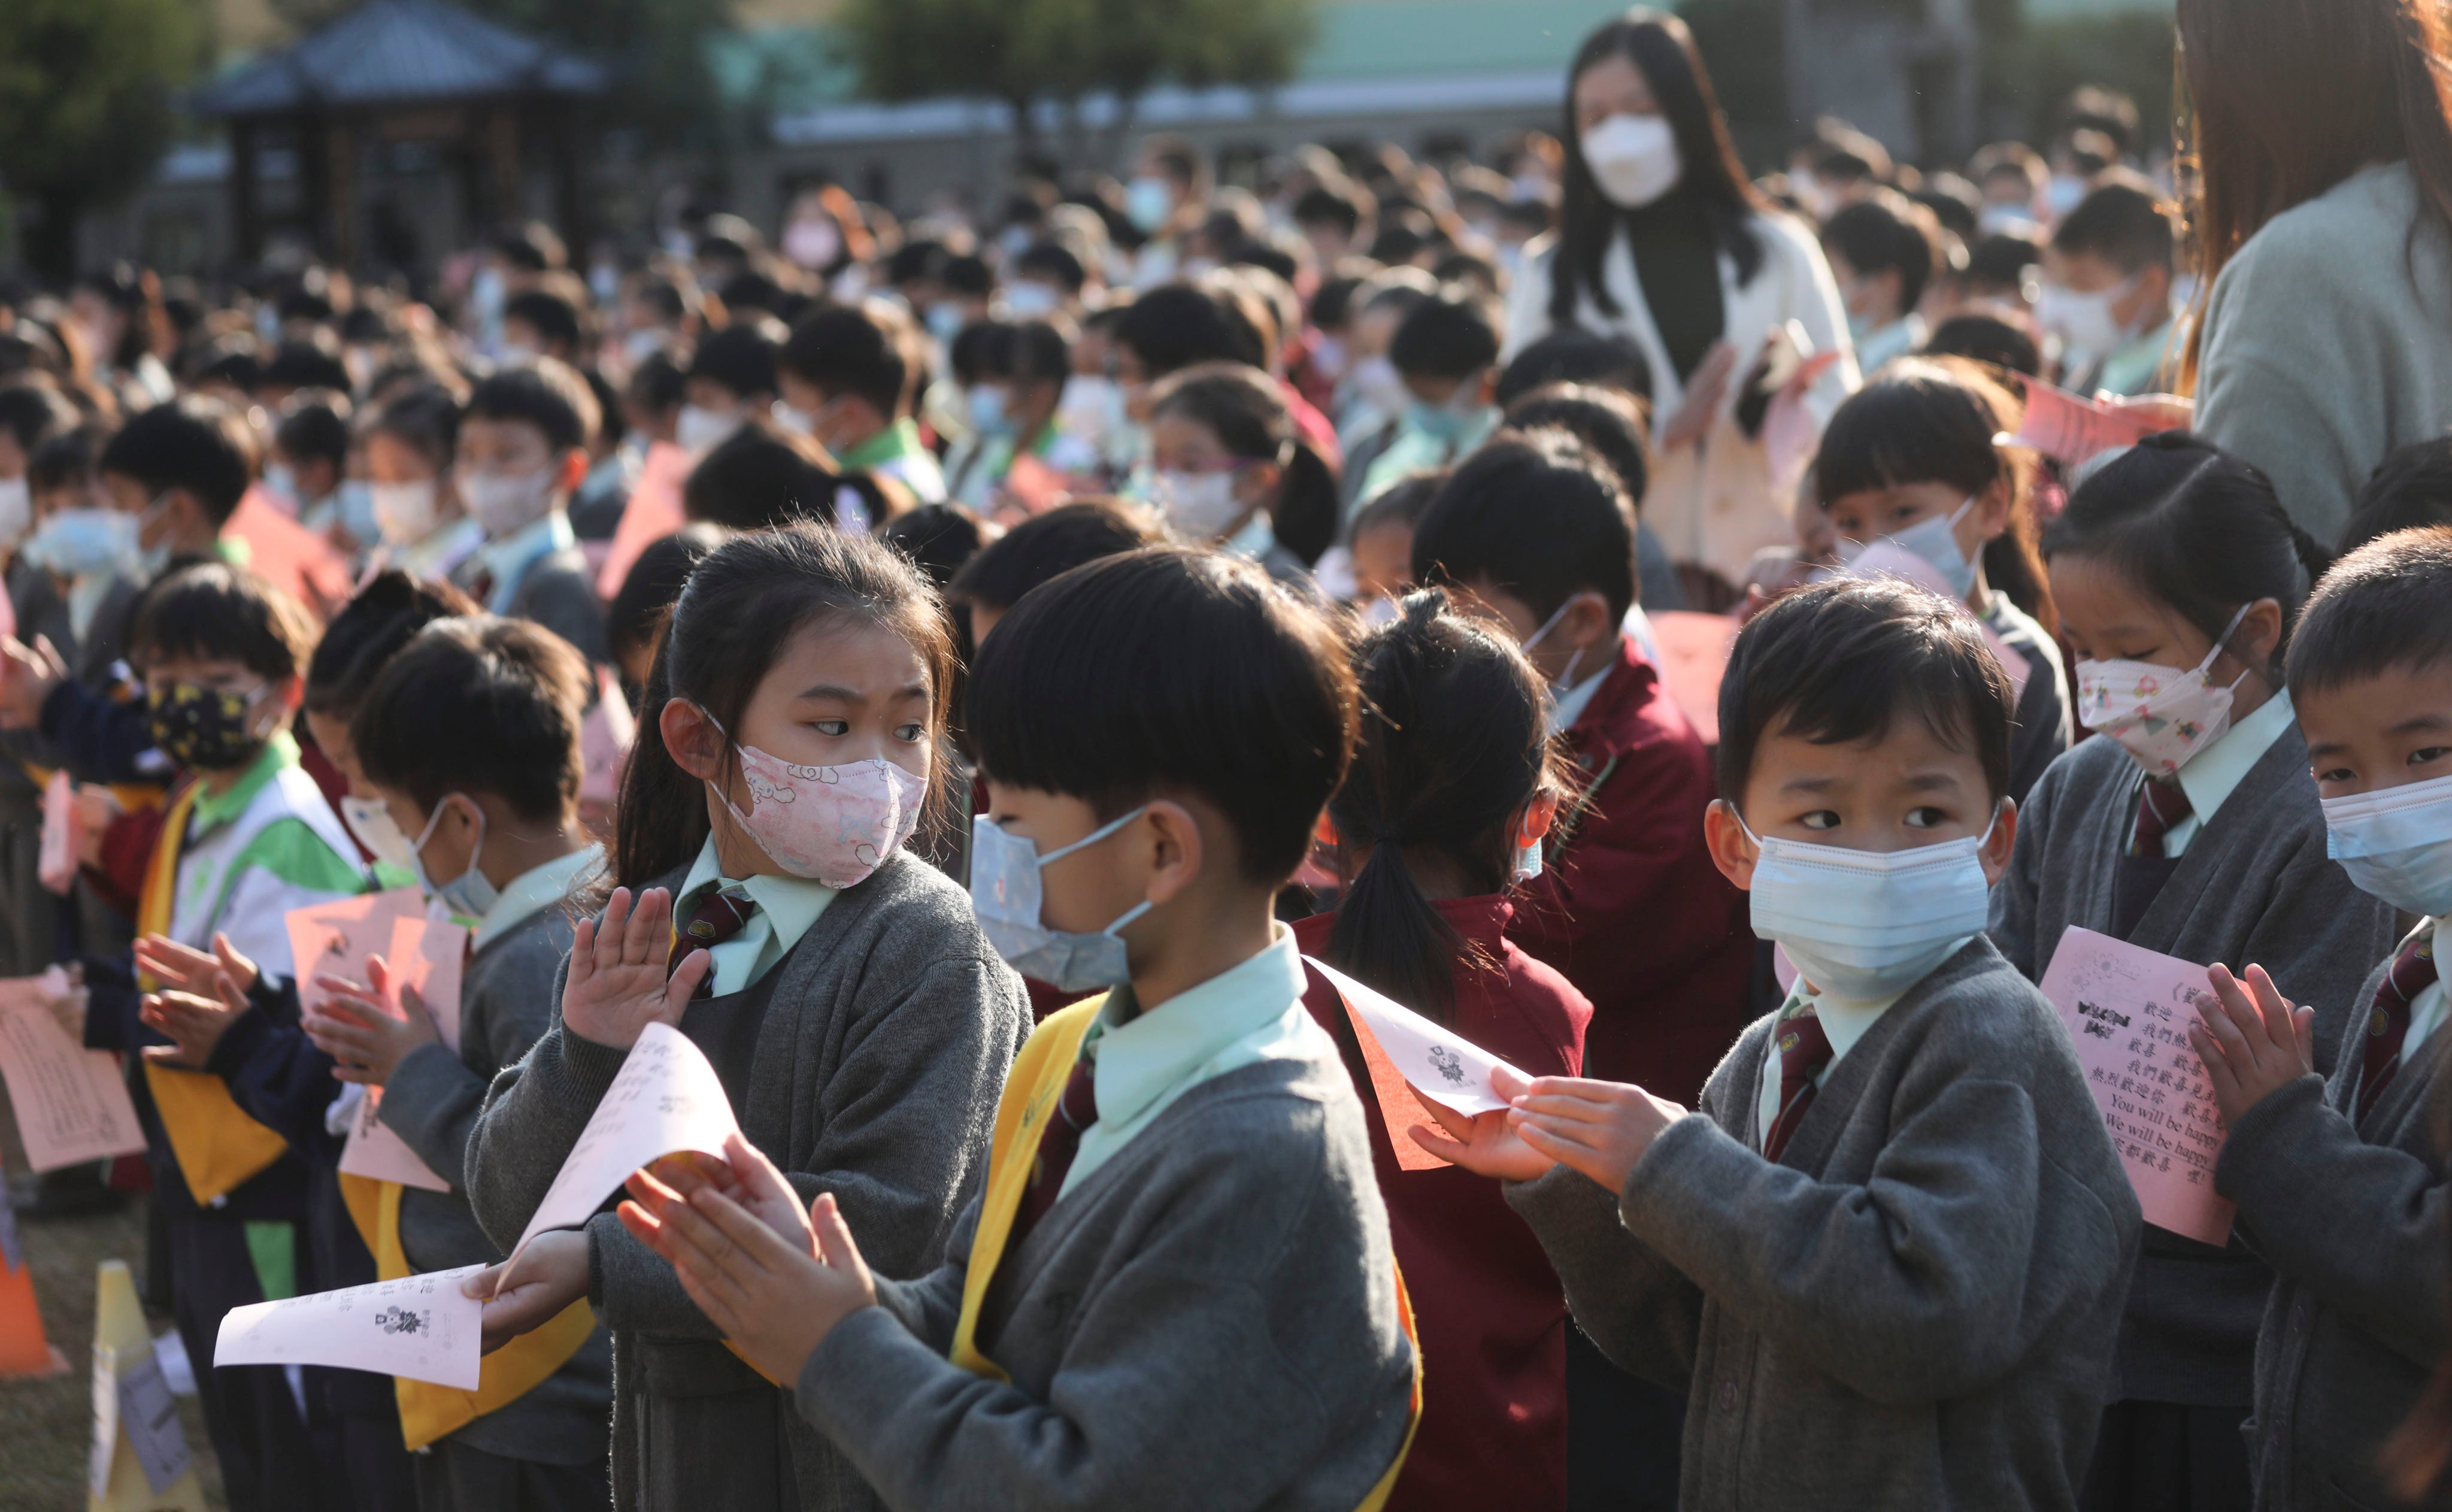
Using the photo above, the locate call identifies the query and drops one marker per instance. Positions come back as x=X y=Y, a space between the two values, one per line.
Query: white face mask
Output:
x=505 y=505
x=1005 y=895
x=1634 y=159
x=2397 y=844
x=1199 y=506
x=1864 y=925
x=1934 y=542
x=370 y=820
x=1148 y=201
x=1029 y=301
x=699 y=429
x=404 y=513
x=16 y=511
x=2162 y=717
x=82 y=542
x=2084 y=322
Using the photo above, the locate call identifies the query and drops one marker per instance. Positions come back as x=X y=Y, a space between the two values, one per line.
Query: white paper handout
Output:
x=1434 y=1062
x=418 y=1326
x=666 y=1098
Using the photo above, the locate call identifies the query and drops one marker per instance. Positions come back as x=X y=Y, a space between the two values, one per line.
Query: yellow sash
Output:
x=1031 y=1092
x=428 y=1411
x=217 y=1145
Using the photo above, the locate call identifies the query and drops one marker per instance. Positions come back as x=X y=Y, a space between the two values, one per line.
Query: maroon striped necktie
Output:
x=1803 y=1050
x=2413 y=971
x=2160 y=808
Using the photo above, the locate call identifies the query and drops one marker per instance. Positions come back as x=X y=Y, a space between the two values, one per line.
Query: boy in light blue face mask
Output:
x=1446 y=351
x=1896 y=1230
x=2339 y=1180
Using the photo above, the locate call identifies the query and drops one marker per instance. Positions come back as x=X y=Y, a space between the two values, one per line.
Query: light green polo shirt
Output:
x=1143 y=1061
x=786 y=907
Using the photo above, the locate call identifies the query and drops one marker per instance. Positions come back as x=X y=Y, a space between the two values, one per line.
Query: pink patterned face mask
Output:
x=834 y=825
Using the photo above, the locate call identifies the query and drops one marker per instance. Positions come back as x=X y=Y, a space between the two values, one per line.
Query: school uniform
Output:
x=2243 y=878
x=1410 y=448
x=2043 y=728
x=1257 y=541
x=1204 y=1312
x=896 y=452
x=229 y=1193
x=1629 y=906
x=1914 y=1303
x=860 y=1035
x=538 y=573
x=2340 y=1186
x=1488 y=1310
x=278 y=1078
x=543 y=1446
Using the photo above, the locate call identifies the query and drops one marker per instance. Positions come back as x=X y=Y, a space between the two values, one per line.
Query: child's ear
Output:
x=292 y=692
x=1587 y=622
x=2001 y=844
x=691 y=738
x=1176 y=850
x=574 y=469
x=2259 y=634
x=1992 y=507
x=1539 y=815
x=1732 y=851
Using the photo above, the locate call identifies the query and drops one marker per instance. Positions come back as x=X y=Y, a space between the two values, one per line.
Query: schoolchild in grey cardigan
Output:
x=879 y=1061
x=2350 y=1213
x=1915 y=1306
x=432 y=1100
x=1206 y=1322
x=2255 y=885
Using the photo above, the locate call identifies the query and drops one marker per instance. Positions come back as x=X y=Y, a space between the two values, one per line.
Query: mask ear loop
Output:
x=2221 y=644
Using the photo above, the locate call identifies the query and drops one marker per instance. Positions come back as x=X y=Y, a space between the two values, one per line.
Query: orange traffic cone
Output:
x=23 y=1351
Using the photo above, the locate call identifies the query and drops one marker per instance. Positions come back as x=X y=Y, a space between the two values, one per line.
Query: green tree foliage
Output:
x=1024 y=50
x=86 y=105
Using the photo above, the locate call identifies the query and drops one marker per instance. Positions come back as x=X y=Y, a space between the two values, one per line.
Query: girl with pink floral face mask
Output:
x=2191 y=826
x=792 y=745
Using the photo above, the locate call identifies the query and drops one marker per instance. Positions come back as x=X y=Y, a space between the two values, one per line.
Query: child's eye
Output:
x=837 y=727
x=1925 y=818
x=911 y=734
x=2429 y=755
x=1821 y=819
x=2342 y=774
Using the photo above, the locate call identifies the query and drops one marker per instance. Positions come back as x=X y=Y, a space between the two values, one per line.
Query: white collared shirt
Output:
x=1253 y=541
x=786 y=907
x=2427 y=1010
x=510 y=558
x=2218 y=770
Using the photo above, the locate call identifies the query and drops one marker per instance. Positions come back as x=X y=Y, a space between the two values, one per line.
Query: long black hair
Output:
x=1249 y=414
x=1934 y=420
x=744 y=603
x=1659 y=44
x=2197 y=528
x=1454 y=749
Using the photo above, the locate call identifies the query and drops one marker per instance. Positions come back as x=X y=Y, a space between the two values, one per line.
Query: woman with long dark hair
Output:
x=2323 y=132
x=1664 y=241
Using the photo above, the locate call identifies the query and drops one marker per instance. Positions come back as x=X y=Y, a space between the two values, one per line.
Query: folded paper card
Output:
x=665 y=1098
x=418 y=1326
x=2068 y=429
x=72 y=1105
x=2128 y=1012
x=1451 y=1071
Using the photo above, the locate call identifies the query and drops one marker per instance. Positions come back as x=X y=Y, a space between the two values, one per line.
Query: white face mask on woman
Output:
x=1634 y=159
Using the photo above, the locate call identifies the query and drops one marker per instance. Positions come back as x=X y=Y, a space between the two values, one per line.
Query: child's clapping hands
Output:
x=1600 y=1128
x=2252 y=1040
x=776 y=1280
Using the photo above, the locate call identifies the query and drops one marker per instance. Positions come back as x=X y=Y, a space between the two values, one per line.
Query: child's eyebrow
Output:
x=2421 y=721
x=1809 y=784
x=1933 y=782
x=833 y=690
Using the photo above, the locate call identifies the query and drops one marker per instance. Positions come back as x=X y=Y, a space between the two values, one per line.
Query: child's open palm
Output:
x=1486 y=1144
x=617 y=984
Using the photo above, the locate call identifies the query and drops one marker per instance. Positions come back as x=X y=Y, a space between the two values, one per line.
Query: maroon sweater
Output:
x=1630 y=907
x=1490 y=1313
